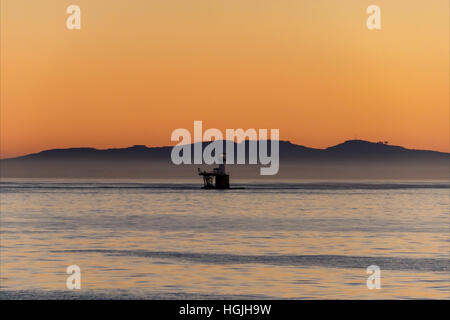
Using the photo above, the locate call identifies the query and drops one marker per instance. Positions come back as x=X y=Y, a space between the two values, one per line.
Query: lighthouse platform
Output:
x=215 y=179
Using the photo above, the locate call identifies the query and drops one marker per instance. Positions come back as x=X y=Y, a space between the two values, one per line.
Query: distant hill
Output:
x=350 y=159
x=356 y=149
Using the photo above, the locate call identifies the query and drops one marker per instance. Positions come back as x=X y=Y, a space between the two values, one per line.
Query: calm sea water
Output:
x=155 y=240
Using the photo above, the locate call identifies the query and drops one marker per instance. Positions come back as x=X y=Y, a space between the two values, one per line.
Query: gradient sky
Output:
x=139 y=69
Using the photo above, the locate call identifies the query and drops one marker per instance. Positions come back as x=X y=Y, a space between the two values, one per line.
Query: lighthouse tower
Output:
x=222 y=165
x=218 y=178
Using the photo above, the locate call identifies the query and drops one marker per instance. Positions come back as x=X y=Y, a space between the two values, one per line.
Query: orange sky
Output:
x=139 y=69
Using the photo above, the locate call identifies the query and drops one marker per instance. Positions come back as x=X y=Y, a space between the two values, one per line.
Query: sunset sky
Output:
x=139 y=69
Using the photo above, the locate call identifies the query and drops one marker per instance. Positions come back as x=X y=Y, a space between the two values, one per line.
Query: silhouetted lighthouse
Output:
x=218 y=178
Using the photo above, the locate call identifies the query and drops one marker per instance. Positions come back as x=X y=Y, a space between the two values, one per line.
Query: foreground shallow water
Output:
x=153 y=240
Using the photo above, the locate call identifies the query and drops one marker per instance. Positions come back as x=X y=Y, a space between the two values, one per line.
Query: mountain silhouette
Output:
x=357 y=149
x=352 y=159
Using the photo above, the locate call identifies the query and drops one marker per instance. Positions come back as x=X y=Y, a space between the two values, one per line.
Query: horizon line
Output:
x=171 y=146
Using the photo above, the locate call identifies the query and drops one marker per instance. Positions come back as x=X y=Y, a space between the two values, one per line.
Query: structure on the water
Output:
x=216 y=179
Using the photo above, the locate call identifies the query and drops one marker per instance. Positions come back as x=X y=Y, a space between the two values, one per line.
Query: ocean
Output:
x=149 y=239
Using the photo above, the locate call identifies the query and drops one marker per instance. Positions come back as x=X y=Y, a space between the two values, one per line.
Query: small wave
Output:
x=327 y=261
x=117 y=294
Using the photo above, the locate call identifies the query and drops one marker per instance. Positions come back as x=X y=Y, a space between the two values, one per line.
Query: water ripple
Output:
x=330 y=261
